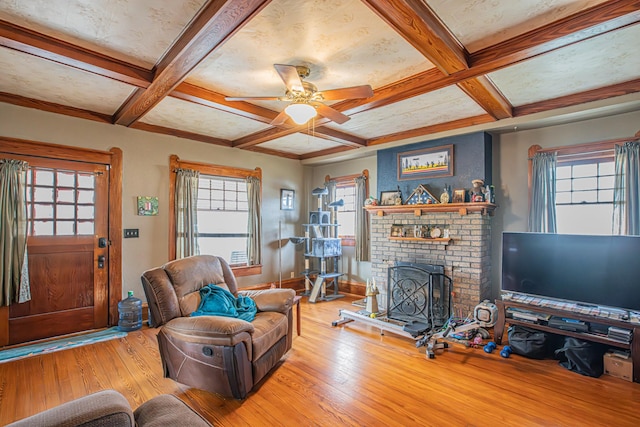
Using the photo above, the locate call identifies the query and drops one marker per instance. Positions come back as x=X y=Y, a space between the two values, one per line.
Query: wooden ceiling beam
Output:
x=592 y=22
x=414 y=21
x=180 y=133
x=482 y=90
x=51 y=49
x=325 y=152
x=52 y=107
x=337 y=136
x=218 y=21
x=197 y=95
x=598 y=20
x=428 y=130
x=271 y=152
x=619 y=89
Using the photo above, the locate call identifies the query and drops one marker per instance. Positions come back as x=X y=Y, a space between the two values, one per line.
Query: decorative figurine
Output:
x=477 y=193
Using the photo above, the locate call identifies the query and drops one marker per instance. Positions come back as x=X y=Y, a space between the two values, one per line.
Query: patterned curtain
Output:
x=542 y=217
x=14 y=276
x=186 y=204
x=626 y=193
x=254 y=243
x=362 y=221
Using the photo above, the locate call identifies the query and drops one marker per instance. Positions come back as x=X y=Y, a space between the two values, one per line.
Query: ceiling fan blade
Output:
x=290 y=77
x=331 y=113
x=252 y=98
x=279 y=119
x=353 y=92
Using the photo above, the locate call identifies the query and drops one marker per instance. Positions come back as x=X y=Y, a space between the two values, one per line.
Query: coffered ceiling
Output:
x=166 y=66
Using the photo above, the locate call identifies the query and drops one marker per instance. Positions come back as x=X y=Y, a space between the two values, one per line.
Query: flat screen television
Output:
x=595 y=270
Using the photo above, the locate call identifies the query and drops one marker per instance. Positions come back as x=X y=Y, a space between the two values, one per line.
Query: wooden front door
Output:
x=67 y=249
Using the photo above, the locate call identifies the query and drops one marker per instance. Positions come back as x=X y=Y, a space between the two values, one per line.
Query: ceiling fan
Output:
x=306 y=99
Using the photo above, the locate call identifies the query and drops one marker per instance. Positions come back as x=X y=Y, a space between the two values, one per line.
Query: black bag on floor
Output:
x=531 y=343
x=583 y=357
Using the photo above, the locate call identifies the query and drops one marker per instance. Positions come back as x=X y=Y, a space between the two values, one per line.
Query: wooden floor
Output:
x=334 y=376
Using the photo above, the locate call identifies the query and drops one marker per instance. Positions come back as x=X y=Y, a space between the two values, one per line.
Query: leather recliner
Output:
x=224 y=355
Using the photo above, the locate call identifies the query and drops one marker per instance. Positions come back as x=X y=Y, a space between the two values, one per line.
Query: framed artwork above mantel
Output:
x=432 y=162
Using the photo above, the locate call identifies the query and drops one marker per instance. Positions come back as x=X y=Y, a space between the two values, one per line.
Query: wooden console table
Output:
x=634 y=346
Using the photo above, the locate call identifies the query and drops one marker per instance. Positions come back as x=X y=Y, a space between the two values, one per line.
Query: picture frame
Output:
x=147 y=205
x=287 y=198
x=432 y=162
x=388 y=198
x=459 y=195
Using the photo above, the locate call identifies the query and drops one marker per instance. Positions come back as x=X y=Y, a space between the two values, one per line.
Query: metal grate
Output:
x=419 y=292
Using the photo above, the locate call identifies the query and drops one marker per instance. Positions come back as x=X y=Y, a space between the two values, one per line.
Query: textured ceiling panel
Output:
x=299 y=144
x=30 y=77
x=600 y=61
x=481 y=23
x=136 y=31
x=183 y=115
x=441 y=106
x=343 y=42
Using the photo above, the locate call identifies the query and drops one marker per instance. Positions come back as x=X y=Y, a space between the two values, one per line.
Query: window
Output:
x=347 y=213
x=584 y=197
x=223 y=213
x=222 y=218
x=345 y=189
x=60 y=202
x=585 y=180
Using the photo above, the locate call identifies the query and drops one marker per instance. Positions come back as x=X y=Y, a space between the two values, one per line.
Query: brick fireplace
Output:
x=465 y=255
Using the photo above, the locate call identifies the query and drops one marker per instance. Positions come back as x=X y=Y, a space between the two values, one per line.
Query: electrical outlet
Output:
x=131 y=233
x=293 y=274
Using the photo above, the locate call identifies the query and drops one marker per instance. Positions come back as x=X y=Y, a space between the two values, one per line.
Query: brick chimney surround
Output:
x=465 y=254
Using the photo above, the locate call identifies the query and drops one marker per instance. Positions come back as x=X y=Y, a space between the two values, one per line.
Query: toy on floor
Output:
x=485 y=316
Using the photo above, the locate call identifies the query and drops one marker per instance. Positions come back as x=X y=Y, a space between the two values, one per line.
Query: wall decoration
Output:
x=421 y=196
x=431 y=162
x=459 y=195
x=286 y=199
x=147 y=205
x=390 y=198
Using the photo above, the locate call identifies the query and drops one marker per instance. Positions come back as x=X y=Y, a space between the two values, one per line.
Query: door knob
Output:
x=101 y=260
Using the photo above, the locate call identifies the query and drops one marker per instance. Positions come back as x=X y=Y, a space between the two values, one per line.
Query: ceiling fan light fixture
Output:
x=300 y=113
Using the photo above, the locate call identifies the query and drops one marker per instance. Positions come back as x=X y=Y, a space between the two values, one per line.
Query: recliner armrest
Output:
x=107 y=407
x=279 y=300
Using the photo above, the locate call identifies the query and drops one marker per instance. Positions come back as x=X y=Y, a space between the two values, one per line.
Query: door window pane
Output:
x=52 y=206
x=66 y=179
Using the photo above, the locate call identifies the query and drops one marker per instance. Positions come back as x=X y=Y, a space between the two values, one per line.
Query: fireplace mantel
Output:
x=484 y=208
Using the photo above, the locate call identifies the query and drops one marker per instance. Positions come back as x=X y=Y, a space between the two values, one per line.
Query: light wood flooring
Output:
x=337 y=376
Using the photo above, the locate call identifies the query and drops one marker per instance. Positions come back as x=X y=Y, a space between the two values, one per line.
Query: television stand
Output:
x=633 y=346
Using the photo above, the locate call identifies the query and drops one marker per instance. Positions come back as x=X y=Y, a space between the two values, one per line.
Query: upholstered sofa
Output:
x=110 y=408
x=224 y=355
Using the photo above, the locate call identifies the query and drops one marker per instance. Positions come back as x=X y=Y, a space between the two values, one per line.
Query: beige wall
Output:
x=510 y=169
x=509 y=174
x=354 y=271
x=146 y=157
x=146 y=173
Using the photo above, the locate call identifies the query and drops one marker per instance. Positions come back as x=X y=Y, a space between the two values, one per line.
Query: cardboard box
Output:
x=618 y=365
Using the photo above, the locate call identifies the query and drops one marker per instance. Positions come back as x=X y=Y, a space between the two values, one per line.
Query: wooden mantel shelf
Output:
x=484 y=208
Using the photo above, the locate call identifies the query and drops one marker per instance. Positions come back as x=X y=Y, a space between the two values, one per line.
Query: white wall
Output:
x=146 y=173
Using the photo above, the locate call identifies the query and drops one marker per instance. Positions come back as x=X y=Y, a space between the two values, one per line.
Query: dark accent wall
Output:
x=471 y=160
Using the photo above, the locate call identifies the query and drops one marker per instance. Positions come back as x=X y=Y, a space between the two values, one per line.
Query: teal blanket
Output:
x=216 y=301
